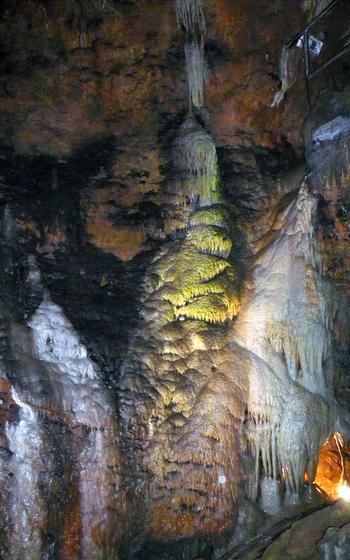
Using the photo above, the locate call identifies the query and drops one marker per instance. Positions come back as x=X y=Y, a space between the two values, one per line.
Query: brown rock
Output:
x=299 y=542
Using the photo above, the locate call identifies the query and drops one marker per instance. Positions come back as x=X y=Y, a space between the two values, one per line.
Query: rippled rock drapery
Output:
x=272 y=365
x=217 y=390
x=294 y=315
x=285 y=322
x=180 y=443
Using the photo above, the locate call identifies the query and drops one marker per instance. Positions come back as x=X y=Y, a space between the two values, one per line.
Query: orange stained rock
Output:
x=171 y=524
x=53 y=236
x=5 y=385
x=123 y=242
x=329 y=469
x=70 y=541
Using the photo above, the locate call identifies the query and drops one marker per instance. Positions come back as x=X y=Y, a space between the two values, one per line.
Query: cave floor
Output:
x=294 y=537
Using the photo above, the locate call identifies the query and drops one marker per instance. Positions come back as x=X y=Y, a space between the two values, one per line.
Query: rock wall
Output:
x=172 y=291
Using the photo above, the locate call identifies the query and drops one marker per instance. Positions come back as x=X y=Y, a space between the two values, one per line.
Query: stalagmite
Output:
x=61 y=381
x=169 y=385
x=83 y=397
x=28 y=510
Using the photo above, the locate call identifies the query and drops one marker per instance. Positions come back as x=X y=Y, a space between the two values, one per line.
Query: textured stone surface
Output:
x=300 y=541
x=97 y=74
x=91 y=98
x=335 y=544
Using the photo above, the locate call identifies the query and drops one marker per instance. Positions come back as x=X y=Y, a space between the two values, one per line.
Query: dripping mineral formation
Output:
x=180 y=443
x=174 y=303
x=190 y=15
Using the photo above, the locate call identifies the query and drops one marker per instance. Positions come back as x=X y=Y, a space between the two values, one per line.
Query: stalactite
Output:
x=196 y=279
x=190 y=15
x=315 y=7
x=287 y=325
x=196 y=71
x=289 y=69
x=194 y=152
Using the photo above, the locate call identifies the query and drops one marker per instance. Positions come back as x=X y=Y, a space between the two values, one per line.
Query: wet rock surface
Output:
x=303 y=540
x=92 y=95
x=335 y=544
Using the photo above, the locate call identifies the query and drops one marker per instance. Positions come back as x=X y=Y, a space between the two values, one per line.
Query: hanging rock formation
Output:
x=190 y=15
x=286 y=322
x=174 y=318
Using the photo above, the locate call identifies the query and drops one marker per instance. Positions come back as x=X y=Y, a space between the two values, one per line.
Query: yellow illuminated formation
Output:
x=177 y=360
x=194 y=275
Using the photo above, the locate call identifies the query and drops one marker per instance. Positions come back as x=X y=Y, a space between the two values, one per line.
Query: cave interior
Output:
x=175 y=279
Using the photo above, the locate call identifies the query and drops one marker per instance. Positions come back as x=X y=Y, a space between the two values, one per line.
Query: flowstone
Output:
x=285 y=323
x=185 y=451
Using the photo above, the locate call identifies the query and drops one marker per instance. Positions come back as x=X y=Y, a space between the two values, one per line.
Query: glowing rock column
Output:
x=183 y=443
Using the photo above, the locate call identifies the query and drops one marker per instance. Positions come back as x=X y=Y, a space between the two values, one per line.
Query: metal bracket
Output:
x=303 y=37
